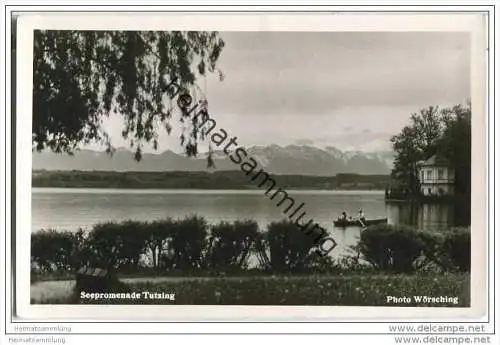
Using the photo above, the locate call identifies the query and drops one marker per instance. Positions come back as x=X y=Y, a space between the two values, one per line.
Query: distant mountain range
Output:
x=292 y=160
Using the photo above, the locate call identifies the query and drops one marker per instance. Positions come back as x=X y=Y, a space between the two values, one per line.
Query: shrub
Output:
x=289 y=247
x=457 y=247
x=188 y=242
x=81 y=252
x=230 y=244
x=158 y=234
x=116 y=245
x=391 y=249
x=432 y=258
x=448 y=250
x=52 y=250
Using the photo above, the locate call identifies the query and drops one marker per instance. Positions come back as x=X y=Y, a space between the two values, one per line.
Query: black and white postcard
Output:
x=227 y=166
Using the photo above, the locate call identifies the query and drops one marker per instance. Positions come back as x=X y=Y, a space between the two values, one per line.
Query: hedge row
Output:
x=403 y=249
x=191 y=245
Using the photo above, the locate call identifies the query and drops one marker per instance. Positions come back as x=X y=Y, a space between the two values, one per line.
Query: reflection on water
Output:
x=426 y=217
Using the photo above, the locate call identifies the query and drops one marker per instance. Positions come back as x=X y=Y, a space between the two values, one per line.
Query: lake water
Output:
x=70 y=209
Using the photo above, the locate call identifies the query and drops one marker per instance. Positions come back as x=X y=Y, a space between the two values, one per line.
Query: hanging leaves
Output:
x=81 y=77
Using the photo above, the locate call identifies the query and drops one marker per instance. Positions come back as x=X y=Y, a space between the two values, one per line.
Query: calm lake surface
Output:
x=72 y=208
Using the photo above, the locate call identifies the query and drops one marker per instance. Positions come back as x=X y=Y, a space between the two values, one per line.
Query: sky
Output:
x=350 y=90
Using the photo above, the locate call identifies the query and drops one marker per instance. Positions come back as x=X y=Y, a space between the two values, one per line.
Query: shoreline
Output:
x=204 y=180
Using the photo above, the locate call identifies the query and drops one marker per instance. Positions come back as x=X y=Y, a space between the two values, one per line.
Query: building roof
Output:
x=436 y=161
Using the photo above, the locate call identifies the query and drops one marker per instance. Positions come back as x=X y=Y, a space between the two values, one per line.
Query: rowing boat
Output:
x=342 y=223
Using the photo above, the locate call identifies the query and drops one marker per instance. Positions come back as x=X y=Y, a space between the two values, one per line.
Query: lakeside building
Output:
x=436 y=177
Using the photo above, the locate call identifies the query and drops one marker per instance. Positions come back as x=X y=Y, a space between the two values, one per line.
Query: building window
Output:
x=429 y=174
x=440 y=174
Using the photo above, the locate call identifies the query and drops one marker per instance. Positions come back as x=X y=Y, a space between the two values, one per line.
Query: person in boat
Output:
x=361 y=216
x=343 y=216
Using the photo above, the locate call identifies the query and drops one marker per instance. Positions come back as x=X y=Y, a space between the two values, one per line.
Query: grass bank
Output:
x=341 y=290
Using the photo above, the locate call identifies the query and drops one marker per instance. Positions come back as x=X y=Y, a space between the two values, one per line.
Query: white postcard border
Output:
x=240 y=22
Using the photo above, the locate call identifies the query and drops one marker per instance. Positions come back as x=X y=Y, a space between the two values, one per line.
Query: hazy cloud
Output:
x=286 y=87
x=304 y=142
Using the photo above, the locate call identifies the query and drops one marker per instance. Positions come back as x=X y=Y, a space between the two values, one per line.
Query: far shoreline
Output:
x=200 y=180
